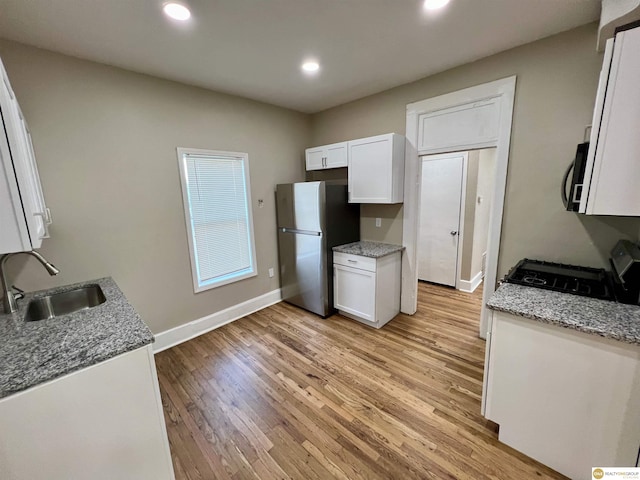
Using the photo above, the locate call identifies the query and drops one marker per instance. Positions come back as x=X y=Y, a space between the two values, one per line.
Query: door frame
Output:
x=463 y=198
x=504 y=91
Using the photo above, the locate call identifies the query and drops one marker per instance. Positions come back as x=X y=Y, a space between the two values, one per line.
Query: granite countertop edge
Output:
x=602 y=318
x=33 y=353
x=370 y=249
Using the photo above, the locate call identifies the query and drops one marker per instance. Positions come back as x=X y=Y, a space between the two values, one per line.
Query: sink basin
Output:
x=64 y=303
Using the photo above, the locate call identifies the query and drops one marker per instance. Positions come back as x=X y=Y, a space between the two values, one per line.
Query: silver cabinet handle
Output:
x=352 y=261
x=45 y=222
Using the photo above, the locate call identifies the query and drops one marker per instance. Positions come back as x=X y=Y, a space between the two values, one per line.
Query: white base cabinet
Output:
x=565 y=398
x=102 y=422
x=367 y=289
x=326 y=156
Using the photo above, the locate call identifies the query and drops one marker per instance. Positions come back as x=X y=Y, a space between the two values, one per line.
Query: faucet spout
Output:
x=51 y=269
x=9 y=300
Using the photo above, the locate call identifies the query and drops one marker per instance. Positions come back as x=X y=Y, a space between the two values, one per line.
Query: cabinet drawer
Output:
x=355 y=261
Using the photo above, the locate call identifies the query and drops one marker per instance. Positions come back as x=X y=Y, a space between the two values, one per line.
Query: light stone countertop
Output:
x=368 y=249
x=34 y=352
x=590 y=315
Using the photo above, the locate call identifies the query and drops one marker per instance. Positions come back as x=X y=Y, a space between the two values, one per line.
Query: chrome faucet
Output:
x=9 y=300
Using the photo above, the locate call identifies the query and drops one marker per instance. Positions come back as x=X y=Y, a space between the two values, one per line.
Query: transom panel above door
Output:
x=473 y=124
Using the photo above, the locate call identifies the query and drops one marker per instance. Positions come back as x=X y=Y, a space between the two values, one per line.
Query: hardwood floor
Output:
x=283 y=394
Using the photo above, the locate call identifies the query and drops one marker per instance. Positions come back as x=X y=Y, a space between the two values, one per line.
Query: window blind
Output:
x=220 y=220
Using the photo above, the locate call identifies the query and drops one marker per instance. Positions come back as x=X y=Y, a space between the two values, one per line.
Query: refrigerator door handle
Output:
x=301 y=232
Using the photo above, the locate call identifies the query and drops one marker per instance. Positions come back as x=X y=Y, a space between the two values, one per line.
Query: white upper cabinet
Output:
x=23 y=214
x=376 y=169
x=327 y=156
x=612 y=178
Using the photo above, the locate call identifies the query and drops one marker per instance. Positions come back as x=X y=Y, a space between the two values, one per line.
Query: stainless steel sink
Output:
x=64 y=303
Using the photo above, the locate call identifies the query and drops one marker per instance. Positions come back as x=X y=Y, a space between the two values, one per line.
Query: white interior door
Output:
x=440 y=223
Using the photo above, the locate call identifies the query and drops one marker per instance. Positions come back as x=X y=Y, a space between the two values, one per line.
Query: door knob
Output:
x=454 y=233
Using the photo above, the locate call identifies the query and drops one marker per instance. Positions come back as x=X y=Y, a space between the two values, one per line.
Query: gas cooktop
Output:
x=585 y=281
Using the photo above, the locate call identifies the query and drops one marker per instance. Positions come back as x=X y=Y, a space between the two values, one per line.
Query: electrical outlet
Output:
x=260 y=203
x=378 y=222
x=271 y=273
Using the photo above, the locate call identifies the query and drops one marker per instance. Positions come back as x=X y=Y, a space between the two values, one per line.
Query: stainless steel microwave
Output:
x=571 y=198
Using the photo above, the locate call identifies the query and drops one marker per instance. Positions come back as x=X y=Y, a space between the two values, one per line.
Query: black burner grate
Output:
x=585 y=281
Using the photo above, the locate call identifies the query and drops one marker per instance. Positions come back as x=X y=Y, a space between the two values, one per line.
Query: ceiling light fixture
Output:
x=434 y=4
x=177 y=11
x=311 y=67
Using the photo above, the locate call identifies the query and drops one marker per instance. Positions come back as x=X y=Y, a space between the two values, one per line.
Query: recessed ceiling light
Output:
x=177 y=11
x=311 y=67
x=434 y=4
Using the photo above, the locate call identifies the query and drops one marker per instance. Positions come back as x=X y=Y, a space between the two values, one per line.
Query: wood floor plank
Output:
x=283 y=394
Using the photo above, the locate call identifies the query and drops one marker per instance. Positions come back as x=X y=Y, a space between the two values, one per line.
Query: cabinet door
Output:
x=595 y=130
x=336 y=155
x=103 y=422
x=14 y=236
x=315 y=158
x=376 y=169
x=370 y=170
x=24 y=166
x=616 y=172
x=327 y=156
x=40 y=216
x=354 y=292
x=563 y=397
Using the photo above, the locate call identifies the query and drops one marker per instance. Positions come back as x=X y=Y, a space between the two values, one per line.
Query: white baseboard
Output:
x=470 y=285
x=174 y=336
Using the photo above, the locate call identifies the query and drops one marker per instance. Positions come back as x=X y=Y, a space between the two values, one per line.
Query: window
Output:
x=217 y=208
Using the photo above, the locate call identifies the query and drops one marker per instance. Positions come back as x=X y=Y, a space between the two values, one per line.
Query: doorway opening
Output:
x=474 y=118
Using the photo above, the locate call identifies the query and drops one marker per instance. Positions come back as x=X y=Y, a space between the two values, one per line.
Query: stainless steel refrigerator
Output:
x=313 y=217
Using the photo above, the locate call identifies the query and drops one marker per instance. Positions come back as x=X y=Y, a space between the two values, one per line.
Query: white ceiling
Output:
x=254 y=48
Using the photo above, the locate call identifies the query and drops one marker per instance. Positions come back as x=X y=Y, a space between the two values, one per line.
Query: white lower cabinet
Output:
x=367 y=289
x=102 y=422
x=565 y=398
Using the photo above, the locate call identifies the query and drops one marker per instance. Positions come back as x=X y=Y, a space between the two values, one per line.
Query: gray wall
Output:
x=555 y=94
x=105 y=140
